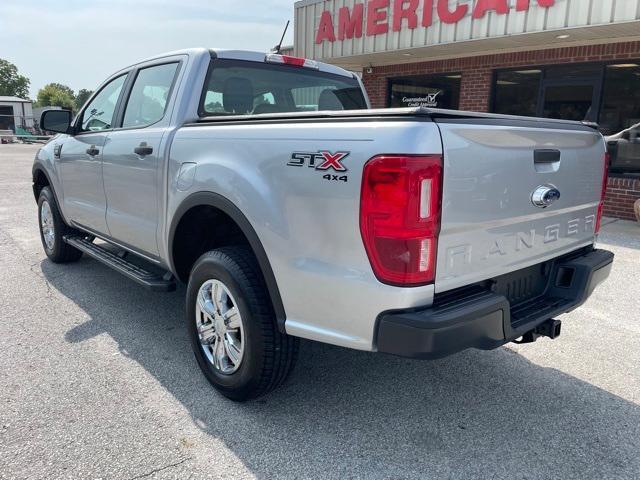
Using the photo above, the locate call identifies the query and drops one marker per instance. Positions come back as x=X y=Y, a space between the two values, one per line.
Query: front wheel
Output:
x=53 y=228
x=232 y=326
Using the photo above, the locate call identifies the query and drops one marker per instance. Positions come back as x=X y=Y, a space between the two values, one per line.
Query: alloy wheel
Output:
x=219 y=326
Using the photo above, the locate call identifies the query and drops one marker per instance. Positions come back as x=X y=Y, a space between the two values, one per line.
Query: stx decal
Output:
x=380 y=16
x=322 y=160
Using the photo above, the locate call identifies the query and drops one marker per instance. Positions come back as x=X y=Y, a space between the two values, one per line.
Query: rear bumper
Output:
x=482 y=318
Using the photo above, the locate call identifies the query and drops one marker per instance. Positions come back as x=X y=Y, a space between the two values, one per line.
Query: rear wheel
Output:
x=53 y=228
x=232 y=326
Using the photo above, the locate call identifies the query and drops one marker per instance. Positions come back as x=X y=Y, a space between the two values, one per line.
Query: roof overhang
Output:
x=582 y=36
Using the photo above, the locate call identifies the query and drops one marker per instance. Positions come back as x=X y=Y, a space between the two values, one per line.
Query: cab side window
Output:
x=149 y=95
x=100 y=113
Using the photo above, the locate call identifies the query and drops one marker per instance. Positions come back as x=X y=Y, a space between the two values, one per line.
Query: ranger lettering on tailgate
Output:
x=461 y=256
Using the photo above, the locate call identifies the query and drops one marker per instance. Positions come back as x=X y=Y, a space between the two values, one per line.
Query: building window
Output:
x=620 y=115
x=620 y=106
x=595 y=92
x=570 y=101
x=434 y=91
x=517 y=92
x=605 y=93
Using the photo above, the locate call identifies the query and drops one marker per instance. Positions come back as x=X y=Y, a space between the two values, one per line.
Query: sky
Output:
x=80 y=43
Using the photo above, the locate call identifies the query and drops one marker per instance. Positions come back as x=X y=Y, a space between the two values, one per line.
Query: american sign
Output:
x=351 y=22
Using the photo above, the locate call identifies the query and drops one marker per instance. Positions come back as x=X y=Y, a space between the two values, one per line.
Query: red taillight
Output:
x=400 y=217
x=605 y=178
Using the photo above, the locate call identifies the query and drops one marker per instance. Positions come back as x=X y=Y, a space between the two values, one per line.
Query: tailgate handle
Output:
x=545 y=155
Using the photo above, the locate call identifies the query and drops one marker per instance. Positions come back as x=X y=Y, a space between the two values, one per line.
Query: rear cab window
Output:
x=149 y=95
x=238 y=87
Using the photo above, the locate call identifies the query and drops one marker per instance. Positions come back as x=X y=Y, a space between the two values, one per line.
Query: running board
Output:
x=153 y=281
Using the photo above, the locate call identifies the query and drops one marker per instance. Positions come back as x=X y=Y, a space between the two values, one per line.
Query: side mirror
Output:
x=57 y=121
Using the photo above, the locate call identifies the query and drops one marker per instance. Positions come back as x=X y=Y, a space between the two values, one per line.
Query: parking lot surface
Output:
x=97 y=380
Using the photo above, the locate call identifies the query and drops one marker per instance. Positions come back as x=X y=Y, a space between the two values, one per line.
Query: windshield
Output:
x=235 y=87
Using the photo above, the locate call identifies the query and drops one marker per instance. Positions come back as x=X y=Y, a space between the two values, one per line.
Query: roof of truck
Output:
x=247 y=55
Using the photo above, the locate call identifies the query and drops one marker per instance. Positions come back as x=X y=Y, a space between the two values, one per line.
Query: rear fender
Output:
x=225 y=205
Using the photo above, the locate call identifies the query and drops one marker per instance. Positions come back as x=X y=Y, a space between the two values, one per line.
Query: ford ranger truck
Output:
x=293 y=210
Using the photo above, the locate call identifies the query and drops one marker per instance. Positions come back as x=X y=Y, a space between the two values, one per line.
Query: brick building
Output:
x=572 y=59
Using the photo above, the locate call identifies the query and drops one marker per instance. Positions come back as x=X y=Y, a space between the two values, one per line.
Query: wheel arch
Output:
x=41 y=179
x=224 y=205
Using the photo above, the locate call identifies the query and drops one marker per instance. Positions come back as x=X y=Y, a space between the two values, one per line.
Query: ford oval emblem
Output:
x=544 y=196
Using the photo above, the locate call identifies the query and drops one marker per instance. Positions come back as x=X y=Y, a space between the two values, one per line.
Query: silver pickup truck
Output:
x=291 y=210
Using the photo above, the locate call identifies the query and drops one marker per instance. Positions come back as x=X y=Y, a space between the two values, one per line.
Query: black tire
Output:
x=59 y=252
x=269 y=355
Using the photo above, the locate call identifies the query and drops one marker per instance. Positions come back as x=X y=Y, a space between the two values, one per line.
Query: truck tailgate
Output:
x=492 y=166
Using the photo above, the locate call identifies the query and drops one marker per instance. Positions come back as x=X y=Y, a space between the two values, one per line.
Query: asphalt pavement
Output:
x=97 y=380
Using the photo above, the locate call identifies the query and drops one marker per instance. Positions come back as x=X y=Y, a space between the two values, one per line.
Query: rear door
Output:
x=80 y=158
x=132 y=158
x=492 y=167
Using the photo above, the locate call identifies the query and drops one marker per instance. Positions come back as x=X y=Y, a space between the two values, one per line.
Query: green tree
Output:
x=11 y=82
x=82 y=96
x=63 y=88
x=55 y=94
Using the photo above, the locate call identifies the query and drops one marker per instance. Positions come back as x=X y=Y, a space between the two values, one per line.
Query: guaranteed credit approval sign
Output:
x=383 y=16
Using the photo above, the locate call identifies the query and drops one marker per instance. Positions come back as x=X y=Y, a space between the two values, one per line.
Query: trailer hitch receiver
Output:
x=550 y=329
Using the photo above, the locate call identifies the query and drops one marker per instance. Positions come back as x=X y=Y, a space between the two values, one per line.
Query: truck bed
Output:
x=489 y=226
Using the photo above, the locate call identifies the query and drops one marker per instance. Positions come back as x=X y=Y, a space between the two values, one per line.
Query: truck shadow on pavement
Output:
x=349 y=414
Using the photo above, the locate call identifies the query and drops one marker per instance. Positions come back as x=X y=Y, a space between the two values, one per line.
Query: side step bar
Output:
x=153 y=281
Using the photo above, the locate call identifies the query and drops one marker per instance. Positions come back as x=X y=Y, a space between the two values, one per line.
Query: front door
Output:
x=81 y=173
x=570 y=99
x=80 y=159
x=132 y=160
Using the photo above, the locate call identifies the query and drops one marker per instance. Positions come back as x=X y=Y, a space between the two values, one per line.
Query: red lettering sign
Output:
x=377 y=17
x=447 y=16
x=350 y=25
x=351 y=21
x=523 y=5
x=483 y=6
x=405 y=9
x=427 y=13
x=325 y=30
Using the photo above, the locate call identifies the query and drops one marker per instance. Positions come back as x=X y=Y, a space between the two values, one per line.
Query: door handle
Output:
x=92 y=151
x=143 y=149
